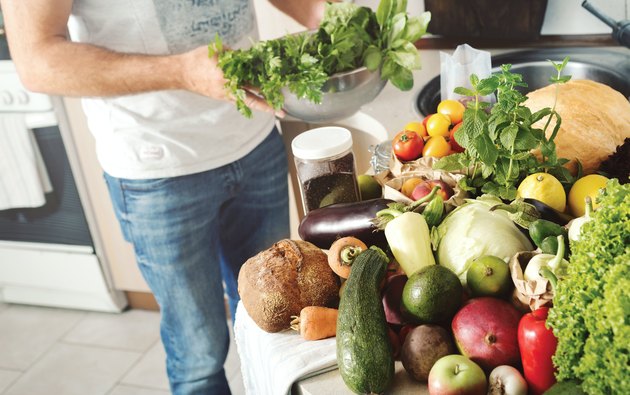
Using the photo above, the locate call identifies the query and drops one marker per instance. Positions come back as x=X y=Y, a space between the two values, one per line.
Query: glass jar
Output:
x=325 y=167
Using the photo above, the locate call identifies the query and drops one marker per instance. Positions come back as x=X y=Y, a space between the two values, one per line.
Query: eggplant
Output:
x=549 y=213
x=322 y=226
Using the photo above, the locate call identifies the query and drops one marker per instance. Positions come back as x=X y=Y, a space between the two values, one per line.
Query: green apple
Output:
x=456 y=374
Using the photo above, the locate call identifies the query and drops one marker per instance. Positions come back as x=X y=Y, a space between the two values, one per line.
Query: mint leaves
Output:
x=499 y=141
x=349 y=37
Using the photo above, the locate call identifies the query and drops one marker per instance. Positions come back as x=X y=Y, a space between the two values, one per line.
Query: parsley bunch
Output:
x=349 y=37
x=498 y=143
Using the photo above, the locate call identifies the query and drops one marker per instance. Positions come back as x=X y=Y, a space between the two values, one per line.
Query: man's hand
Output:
x=201 y=74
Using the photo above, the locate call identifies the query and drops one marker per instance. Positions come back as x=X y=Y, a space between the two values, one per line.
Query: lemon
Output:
x=417 y=127
x=545 y=188
x=586 y=186
x=369 y=187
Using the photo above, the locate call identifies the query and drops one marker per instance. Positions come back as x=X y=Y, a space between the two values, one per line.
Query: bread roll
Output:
x=595 y=120
x=278 y=282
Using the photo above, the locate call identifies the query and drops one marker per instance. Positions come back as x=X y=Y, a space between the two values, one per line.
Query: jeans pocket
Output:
x=143 y=185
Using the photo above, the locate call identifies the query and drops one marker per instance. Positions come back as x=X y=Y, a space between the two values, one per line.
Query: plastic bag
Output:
x=455 y=70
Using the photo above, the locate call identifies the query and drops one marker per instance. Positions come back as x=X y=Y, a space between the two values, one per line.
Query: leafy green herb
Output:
x=591 y=313
x=499 y=143
x=349 y=37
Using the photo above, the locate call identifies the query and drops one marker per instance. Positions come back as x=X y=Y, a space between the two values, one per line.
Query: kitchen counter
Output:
x=331 y=383
x=392 y=109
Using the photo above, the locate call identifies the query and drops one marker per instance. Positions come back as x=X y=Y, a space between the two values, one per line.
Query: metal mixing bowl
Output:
x=343 y=95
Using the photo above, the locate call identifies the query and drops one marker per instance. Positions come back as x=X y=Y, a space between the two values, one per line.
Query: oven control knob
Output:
x=6 y=98
x=22 y=97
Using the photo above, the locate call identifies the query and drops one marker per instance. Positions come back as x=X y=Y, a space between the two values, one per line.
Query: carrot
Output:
x=315 y=322
x=342 y=252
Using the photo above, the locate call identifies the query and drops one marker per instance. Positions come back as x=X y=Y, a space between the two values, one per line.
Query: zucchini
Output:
x=364 y=353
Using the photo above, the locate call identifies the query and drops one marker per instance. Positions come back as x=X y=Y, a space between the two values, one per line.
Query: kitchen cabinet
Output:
x=119 y=252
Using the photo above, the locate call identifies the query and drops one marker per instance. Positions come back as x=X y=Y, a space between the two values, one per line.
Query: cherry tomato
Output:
x=418 y=127
x=438 y=125
x=454 y=146
x=407 y=145
x=425 y=119
x=436 y=146
x=452 y=108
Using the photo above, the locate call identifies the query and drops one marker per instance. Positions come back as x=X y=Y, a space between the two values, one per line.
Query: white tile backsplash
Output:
x=569 y=17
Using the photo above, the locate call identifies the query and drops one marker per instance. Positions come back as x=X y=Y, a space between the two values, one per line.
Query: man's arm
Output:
x=308 y=13
x=48 y=62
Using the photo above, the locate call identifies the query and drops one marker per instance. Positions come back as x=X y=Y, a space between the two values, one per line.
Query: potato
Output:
x=278 y=282
x=423 y=346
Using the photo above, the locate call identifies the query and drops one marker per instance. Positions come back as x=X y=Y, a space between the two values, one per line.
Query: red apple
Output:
x=424 y=188
x=392 y=294
x=486 y=331
x=395 y=342
x=456 y=374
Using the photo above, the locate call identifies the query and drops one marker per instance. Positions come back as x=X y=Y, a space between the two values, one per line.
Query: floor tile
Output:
x=7 y=377
x=75 y=370
x=26 y=332
x=134 y=330
x=131 y=390
x=150 y=371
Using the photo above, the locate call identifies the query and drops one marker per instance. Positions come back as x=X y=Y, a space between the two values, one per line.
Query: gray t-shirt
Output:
x=166 y=133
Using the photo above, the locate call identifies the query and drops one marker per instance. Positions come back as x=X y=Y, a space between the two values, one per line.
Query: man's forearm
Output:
x=306 y=12
x=73 y=69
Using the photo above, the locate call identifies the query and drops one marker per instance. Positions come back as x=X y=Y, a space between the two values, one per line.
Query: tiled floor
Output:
x=46 y=351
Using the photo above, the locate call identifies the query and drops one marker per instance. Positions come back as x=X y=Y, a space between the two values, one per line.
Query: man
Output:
x=197 y=187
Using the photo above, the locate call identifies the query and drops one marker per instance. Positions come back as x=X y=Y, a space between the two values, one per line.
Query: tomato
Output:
x=407 y=145
x=438 y=125
x=436 y=146
x=425 y=119
x=417 y=127
x=452 y=108
x=454 y=146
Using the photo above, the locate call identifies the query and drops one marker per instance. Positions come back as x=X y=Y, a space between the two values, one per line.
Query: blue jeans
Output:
x=189 y=233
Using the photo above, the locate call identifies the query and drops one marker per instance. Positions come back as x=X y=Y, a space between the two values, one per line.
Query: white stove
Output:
x=52 y=255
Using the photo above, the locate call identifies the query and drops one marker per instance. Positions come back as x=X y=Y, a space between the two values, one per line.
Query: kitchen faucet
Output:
x=621 y=29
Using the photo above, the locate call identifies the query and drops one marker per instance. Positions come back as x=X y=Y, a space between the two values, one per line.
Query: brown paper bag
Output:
x=421 y=168
x=534 y=294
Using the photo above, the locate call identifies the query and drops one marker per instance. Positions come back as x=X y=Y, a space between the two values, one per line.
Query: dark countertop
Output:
x=551 y=41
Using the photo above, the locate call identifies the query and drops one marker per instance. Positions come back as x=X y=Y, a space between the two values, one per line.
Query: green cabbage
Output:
x=591 y=313
x=472 y=230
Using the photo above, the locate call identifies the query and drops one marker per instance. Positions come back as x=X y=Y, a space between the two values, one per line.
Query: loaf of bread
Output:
x=595 y=120
x=278 y=282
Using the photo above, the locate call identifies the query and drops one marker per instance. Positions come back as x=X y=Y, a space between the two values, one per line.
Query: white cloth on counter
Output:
x=23 y=176
x=272 y=362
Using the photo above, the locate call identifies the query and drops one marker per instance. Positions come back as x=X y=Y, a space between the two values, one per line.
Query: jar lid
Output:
x=321 y=142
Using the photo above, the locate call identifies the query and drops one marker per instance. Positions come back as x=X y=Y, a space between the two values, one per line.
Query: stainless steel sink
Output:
x=610 y=67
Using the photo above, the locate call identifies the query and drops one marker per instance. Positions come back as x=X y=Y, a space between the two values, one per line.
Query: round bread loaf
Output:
x=278 y=282
x=595 y=120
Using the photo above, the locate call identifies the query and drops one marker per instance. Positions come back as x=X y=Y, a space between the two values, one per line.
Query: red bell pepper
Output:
x=537 y=344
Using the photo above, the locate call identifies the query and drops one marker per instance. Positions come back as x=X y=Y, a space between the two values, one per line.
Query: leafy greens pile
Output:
x=499 y=145
x=591 y=313
x=349 y=37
